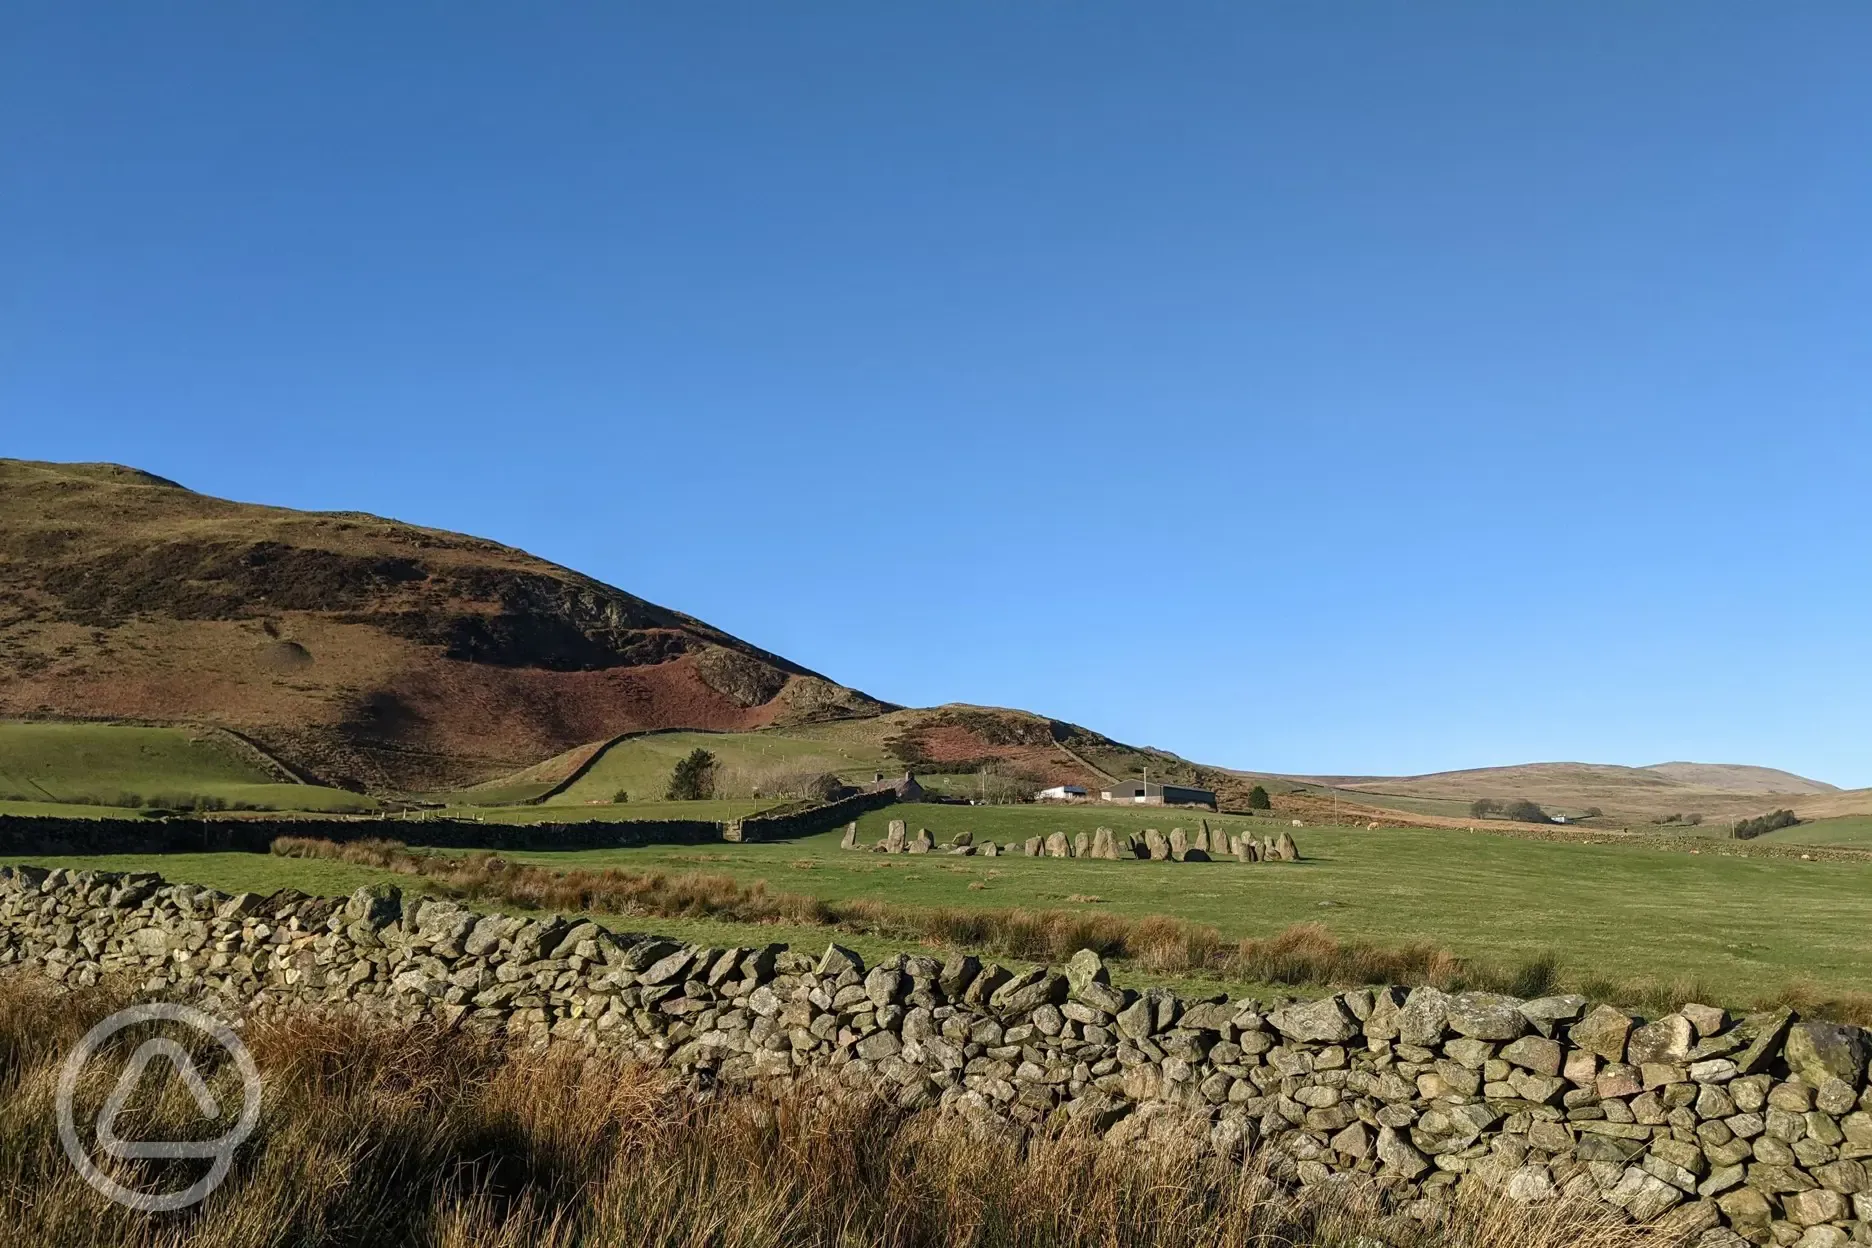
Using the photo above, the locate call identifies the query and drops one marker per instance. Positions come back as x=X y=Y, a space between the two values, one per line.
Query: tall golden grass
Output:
x=373 y=1134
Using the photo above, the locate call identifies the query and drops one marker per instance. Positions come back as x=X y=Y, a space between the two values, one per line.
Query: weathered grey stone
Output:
x=896 y=837
x=1285 y=850
x=850 y=839
x=1762 y=1036
x=375 y=905
x=1156 y=845
x=1815 y=1206
x=1179 y=844
x=1535 y=1053
x=1485 y=1016
x=1399 y=1155
x=1547 y=1013
x=922 y=842
x=1323 y=1021
x=1057 y=845
x=837 y=959
x=1602 y=1032
x=1707 y=1019
x=1817 y=1052
x=1104 y=845
x=1666 y=1040
x=1424 y=1018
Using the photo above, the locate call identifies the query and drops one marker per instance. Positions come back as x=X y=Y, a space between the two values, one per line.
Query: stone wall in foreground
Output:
x=1754 y=1130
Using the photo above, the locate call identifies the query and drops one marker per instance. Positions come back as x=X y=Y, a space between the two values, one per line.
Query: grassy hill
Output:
x=368 y=652
x=114 y=765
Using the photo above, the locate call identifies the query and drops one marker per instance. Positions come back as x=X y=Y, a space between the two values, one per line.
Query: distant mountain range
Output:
x=391 y=657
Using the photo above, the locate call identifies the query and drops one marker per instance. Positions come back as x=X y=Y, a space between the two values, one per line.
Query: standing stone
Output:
x=989 y=850
x=923 y=842
x=1031 y=846
x=851 y=836
x=894 y=837
x=1201 y=839
x=1155 y=843
x=964 y=838
x=1245 y=849
x=1179 y=843
x=1082 y=846
x=1103 y=844
x=1267 y=849
x=1057 y=846
x=1286 y=850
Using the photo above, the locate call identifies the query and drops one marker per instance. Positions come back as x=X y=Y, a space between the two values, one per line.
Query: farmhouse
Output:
x=907 y=789
x=1150 y=793
x=1061 y=793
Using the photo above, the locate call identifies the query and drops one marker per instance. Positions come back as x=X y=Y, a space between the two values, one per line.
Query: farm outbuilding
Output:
x=1062 y=793
x=1150 y=793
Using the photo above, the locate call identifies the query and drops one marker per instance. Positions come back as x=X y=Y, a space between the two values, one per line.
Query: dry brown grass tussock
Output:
x=373 y=1134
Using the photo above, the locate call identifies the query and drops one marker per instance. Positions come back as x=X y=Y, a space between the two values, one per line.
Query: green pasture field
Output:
x=69 y=766
x=1741 y=926
x=641 y=766
x=1725 y=926
x=1850 y=830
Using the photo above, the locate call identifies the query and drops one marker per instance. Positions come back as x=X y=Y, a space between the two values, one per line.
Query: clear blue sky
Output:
x=1348 y=388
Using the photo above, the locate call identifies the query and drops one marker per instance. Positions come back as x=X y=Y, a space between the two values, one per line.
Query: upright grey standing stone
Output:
x=1082 y=846
x=894 y=837
x=1155 y=843
x=923 y=842
x=1286 y=850
x=1103 y=844
x=1031 y=846
x=1057 y=847
x=1201 y=839
x=1179 y=843
x=850 y=840
x=990 y=850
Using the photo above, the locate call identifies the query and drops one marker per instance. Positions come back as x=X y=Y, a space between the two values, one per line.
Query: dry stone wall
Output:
x=1755 y=1130
x=1205 y=846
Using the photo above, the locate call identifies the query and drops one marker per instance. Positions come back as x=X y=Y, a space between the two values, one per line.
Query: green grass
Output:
x=1850 y=830
x=1744 y=927
x=641 y=766
x=72 y=768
